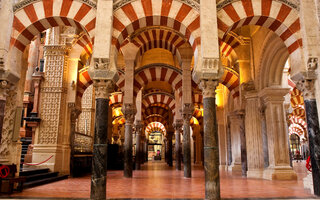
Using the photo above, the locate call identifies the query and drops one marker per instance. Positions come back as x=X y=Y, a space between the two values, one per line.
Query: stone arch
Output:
x=279 y=17
x=158 y=98
x=174 y=14
x=155 y=126
x=157 y=72
x=33 y=18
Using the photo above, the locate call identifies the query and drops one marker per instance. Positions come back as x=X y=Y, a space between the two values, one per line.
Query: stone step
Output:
x=29 y=172
x=41 y=176
x=44 y=181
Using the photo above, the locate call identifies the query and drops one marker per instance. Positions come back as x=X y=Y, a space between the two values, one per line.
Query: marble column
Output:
x=177 y=126
x=187 y=112
x=129 y=112
x=211 y=142
x=279 y=161
x=99 y=159
x=229 y=147
x=139 y=148
x=307 y=87
x=170 y=161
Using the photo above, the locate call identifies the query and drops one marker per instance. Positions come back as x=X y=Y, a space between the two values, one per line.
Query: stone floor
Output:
x=157 y=180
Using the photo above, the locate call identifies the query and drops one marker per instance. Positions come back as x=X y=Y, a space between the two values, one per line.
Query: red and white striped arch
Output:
x=85 y=43
x=170 y=13
x=230 y=79
x=228 y=44
x=296 y=129
x=155 y=126
x=38 y=16
x=155 y=118
x=161 y=72
x=152 y=110
x=116 y=98
x=298 y=120
x=274 y=15
x=84 y=81
x=162 y=98
x=299 y=112
x=159 y=38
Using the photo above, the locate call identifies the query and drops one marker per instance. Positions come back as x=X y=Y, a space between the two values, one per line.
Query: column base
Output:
x=235 y=167
x=279 y=173
x=308 y=183
x=223 y=167
x=255 y=173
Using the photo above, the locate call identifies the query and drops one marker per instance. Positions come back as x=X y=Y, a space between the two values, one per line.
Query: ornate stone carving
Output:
x=103 y=88
x=82 y=143
x=295 y=4
x=129 y=111
x=25 y=3
x=53 y=94
x=4 y=89
x=85 y=120
x=138 y=127
x=208 y=69
x=208 y=87
x=192 y=3
x=8 y=123
x=101 y=63
x=74 y=112
x=177 y=125
x=307 y=87
x=187 y=111
x=312 y=63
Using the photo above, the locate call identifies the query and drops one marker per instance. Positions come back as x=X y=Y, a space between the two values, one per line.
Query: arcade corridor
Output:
x=157 y=180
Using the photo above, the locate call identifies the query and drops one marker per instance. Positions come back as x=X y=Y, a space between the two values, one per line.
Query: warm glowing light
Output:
x=116 y=112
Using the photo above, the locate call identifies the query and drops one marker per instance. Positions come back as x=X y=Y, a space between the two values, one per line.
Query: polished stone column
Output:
x=169 y=136
x=229 y=147
x=99 y=159
x=177 y=126
x=187 y=112
x=138 y=127
x=211 y=143
x=306 y=86
x=129 y=112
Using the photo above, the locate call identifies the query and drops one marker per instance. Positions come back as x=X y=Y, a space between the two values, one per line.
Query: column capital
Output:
x=103 y=69
x=5 y=87
x=74 y=112
x=274 y=94
x=177 y=125
x=209 y=69
x=208 y=87
x=187 y=111
x=103 y=88
x=138 y=126
x=307 y=87
x=129 y=111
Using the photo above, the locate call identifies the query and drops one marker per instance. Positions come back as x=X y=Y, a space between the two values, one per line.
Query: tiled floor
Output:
x=156 y=180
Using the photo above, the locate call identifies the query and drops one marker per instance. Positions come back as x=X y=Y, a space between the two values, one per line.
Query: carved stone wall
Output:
x=53 y=94
x=85 y=121
x=8 y=124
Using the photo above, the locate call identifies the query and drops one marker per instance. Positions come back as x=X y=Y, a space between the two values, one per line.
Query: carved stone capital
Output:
x=177 y=125
x=209 y=69
x=5 y=88
x=129 y=111
x=312 y=63
x=208 y=87
x=307 y=87
x=139 y=127
x=103 y=69
x=187 y=111
x=101 y=63
x=103 y=88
